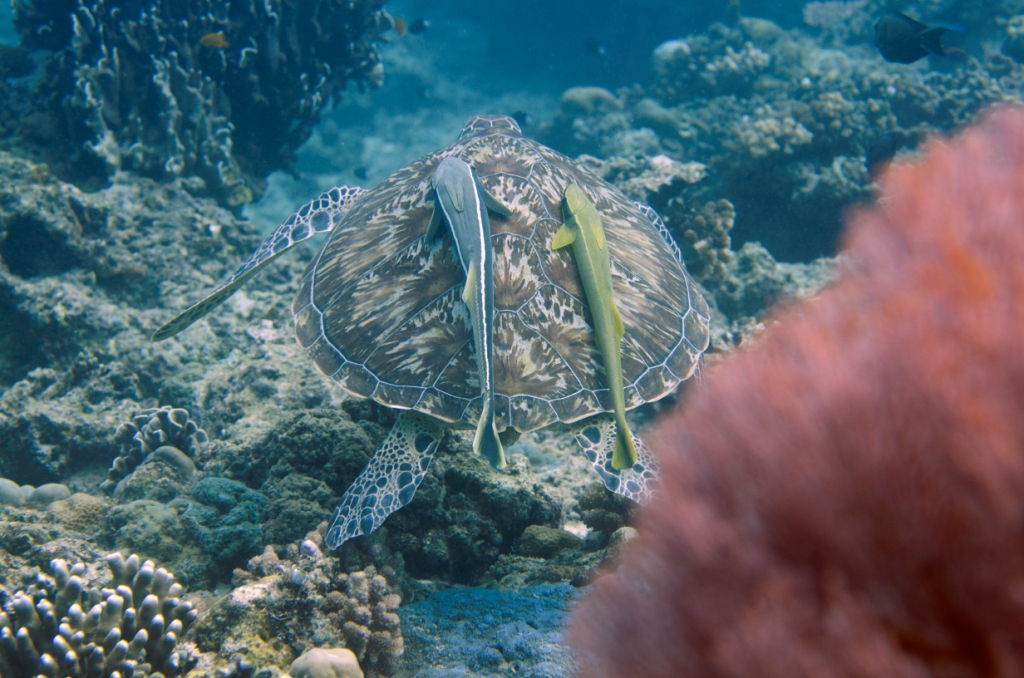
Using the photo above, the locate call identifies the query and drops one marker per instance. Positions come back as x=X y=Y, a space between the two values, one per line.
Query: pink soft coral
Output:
x=847 y=498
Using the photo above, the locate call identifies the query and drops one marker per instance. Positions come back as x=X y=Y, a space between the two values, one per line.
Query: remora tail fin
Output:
x=486 y=443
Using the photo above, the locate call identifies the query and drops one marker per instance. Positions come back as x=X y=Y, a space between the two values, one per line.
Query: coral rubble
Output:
x=848 y=493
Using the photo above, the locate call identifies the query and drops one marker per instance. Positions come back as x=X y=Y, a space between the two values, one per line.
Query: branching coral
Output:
x=846 y=498
x=165 y=433
x=63 y=625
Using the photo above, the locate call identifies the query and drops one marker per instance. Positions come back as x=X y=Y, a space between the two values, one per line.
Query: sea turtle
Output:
x=380 y=310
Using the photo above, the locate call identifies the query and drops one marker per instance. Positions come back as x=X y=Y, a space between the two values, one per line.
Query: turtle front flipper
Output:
x=596 y=436
x=318 y=216
x=389 y=481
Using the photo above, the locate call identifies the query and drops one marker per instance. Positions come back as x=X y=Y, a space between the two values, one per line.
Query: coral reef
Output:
x=221 y=91
x=283 y=607
x=847 y=494
x=156 y=434
x=698 y=67
x=783 y=123
x=64 y=624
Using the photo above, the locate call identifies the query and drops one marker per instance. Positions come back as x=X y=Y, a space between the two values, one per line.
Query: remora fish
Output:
x=463 y=202
x=582 y=229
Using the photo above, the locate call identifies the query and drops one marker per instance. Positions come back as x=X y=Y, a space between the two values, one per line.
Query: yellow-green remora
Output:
x=463 y=202
x=582 y=229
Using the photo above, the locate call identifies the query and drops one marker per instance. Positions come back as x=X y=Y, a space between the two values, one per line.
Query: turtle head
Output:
x=480 y=125
x=574 y=200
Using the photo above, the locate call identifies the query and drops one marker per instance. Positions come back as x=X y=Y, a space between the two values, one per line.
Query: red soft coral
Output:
x=847 y=498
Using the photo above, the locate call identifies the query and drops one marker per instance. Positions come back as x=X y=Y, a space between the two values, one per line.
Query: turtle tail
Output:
x=487 y=444
x=624 y=452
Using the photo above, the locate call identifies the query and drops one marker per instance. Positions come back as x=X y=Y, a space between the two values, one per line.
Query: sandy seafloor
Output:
x=768 y=149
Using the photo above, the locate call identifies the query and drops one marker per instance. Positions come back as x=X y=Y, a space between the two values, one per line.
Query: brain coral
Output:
x=150 y=430
x=847 y=497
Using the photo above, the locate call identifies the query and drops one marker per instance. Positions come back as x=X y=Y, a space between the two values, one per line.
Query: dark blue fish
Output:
x=883 y=149
x=880 y=152
x=903 y=40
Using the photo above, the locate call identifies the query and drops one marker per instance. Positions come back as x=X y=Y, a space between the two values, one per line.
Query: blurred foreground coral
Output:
x=847 y=498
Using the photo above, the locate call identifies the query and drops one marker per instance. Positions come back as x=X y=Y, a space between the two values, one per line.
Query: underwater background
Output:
x=147 y=147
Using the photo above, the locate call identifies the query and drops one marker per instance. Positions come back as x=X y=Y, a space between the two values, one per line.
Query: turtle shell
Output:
x=380 y=310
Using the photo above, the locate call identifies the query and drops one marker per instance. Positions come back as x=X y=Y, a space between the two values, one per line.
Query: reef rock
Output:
x=220 y=91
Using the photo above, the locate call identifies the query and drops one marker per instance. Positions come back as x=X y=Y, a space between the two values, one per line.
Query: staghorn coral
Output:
x=63 y=624
x=140 y=86
x=156 y=434
x=846 y=497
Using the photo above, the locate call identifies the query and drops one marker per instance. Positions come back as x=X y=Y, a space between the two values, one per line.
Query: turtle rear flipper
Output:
x=596 y=436
x=389 y=481
x=315 y=217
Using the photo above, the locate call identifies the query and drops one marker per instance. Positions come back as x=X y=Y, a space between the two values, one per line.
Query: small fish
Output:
x=583 y=230
x=400 y=26
x=462 y=201
x=881 y=151
x=360 y=172
x=903 y=40
x=419 y=26
x=214 y=40
x=523 y=118
x=596 y=47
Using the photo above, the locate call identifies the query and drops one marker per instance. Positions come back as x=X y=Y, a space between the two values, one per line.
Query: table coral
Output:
x=846 y=496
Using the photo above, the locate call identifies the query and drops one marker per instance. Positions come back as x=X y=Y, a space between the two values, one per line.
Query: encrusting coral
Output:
x=62 y=624
x=846 y=498
x=161 y=433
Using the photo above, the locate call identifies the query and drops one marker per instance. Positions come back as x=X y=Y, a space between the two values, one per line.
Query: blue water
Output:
x=7 y=34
